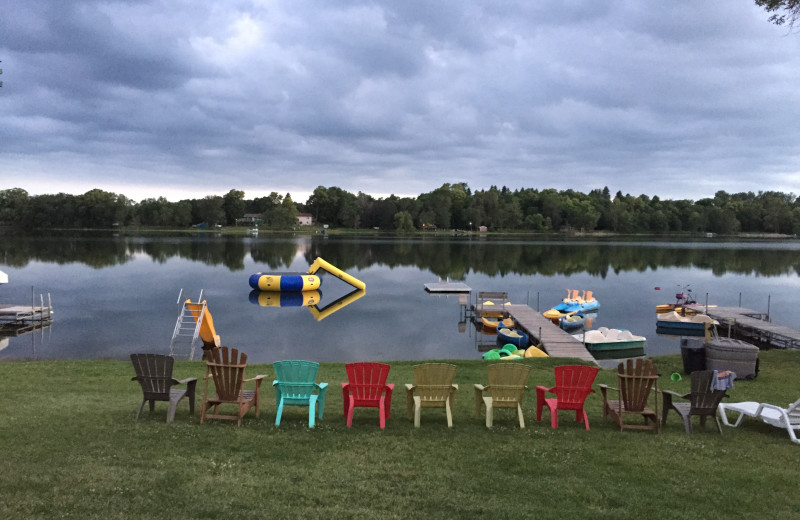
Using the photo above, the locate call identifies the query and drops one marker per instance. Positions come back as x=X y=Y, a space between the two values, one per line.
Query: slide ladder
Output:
x=187 y=326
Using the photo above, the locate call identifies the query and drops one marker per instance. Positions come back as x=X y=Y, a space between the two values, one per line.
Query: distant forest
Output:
x=451 y=206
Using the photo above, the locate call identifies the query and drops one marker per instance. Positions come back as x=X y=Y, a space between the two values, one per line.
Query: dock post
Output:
x=740 y=299
x=537 y=301
x=769 y=297
x=706 y=303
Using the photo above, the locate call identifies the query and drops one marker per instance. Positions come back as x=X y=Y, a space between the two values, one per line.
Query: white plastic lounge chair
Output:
x=788 y=417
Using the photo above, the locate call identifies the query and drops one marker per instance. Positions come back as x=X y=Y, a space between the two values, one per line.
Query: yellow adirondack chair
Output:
x=506 y=389
x=433 y=388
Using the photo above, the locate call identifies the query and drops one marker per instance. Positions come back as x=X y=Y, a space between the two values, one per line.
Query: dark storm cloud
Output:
x=676 y=99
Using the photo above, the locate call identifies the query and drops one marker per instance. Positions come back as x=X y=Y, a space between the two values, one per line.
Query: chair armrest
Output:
x=322 y=386
x=674 y=394
x=605 y=388
x=480 y=388
x=256 y=378
x=410 y=387
x=186 y=381
x=274 y=382
x=455 y=386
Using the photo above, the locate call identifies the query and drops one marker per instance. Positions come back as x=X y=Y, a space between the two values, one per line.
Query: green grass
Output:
x=69 y=448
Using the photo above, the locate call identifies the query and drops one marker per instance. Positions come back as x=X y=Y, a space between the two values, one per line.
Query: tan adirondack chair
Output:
x=637 y=380
x=226 y=367
x=433 y=388
x=506 y=389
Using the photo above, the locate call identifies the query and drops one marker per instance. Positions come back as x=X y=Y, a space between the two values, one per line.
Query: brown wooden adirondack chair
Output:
x=506 y=389
x=702 y=401
x=433 y=388
x=154 y=374
x=636 y=381
x=226 y=367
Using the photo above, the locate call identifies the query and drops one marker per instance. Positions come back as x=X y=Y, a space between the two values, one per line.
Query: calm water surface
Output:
x=117 y=295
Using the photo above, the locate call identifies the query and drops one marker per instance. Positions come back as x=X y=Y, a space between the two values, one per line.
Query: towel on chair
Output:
x=722 y=380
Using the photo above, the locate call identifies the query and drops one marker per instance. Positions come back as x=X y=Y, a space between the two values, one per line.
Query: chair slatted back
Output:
x=433 y=381
x=154 y=373
x=367 y=380
x=296 y=379
x=507 y=381
x=793 y=411
x=573 y=385
x=636 y=380
x=226 y=366
x=702 y=398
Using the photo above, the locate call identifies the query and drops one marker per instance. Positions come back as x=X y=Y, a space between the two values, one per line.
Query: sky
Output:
x=183 y=99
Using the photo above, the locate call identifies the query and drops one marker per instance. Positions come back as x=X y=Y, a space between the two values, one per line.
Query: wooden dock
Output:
x=753 y=325
x=553 y=339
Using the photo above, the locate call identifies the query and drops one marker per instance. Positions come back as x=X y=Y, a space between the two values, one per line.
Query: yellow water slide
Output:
x=207 y=332
x=319 y=263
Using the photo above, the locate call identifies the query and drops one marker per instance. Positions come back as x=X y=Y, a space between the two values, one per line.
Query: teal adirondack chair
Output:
x=296 y=386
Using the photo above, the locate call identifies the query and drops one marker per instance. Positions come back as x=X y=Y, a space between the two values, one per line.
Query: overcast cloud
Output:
x=183 y=98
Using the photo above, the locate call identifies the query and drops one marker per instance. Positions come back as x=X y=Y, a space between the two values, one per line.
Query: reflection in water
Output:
x=450 y=258
x=115 y=295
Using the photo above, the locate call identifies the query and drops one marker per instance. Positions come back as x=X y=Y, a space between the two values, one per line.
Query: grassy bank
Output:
x=70 y=448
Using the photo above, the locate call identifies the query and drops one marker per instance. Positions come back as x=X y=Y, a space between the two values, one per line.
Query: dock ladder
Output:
x=186 y=326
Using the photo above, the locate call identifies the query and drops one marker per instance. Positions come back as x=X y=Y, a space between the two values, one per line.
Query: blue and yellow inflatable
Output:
x=285 y=282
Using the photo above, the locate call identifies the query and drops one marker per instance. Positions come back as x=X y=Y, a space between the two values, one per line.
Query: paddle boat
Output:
x=677 y=322
x=604 y=339
x=585 y=303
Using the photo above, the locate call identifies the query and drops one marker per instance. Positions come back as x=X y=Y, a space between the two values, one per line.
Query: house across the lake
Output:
x=249 y=219
x=305 y=219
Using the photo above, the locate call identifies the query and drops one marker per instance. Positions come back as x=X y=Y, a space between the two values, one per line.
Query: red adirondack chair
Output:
x=573 y=386
x=367 y=387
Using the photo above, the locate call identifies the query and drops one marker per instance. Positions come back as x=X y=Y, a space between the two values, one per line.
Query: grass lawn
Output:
x=69 y=448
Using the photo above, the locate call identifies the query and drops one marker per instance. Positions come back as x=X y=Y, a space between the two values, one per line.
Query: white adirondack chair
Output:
x=788 y=418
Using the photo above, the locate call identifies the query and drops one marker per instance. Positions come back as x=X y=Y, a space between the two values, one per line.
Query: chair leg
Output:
x=409 y=403
x=279 y=413
x=585 y=420
x=348 y=405
x=417 y=404
x=489 y=411
x=141 y=406
x=687 y=423
x=521 y=418
x=382 y=412
x=312 y=403
x=449 y=411
x=321 y=402
x=345 y=398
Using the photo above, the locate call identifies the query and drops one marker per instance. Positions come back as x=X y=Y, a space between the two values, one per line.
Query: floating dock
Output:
x=753 y=325
x=447 y=287
x=555 y=341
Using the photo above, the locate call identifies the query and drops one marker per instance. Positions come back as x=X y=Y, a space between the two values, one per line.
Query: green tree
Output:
x=784 y=11
x=403 y=222
x=13 y=206
x=233 y=205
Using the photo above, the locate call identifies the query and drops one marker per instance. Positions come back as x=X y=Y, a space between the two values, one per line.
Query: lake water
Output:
x=116 y=295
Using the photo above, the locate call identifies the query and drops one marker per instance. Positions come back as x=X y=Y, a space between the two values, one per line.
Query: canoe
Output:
x=572 y=321
x=493 y=323
x=508 y=335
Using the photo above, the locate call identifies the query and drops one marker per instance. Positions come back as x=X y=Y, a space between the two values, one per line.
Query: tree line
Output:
x=451 y=206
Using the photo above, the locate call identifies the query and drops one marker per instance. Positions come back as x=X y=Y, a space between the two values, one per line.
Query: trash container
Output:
x=693 y=353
